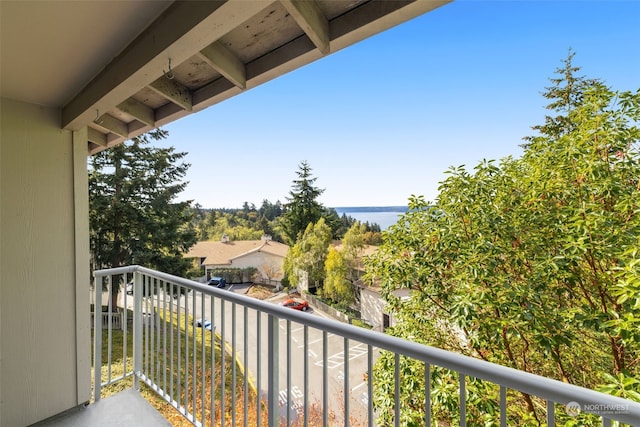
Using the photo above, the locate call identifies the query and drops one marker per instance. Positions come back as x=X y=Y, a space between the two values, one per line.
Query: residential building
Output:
x=265 y=255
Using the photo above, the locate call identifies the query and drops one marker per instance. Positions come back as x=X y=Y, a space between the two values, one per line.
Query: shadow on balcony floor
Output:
x=125 y=409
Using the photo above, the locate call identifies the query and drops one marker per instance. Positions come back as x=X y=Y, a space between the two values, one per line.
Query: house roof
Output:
x=122 y=68
x=222 y=253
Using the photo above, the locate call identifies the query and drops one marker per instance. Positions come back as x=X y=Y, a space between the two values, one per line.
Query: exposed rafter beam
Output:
x=366 y=19
x=112 y=141
x=111 y=124
x=173 y=91
x=185 y=28
x=226 y=63
x=97 y=137
x=310 y=18
x=138 y=110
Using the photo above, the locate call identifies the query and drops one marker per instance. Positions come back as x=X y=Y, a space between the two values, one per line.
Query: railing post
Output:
x=97 y=337
x=137 y=328
x=273 y=373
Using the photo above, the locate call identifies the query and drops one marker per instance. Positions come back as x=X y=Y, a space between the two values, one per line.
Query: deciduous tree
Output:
x=353 y=244
x=309 y=254
x=529 y=262
x=336 y=286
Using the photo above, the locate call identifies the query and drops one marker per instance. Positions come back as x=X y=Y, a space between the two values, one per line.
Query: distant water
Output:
x=384 y=216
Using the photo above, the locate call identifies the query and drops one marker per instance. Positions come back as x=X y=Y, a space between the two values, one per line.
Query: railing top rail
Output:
x=546 y=388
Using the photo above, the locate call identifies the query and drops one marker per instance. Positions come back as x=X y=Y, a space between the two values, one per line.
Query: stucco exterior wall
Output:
x=372 y=308
x=261 y=261
x=44 y=332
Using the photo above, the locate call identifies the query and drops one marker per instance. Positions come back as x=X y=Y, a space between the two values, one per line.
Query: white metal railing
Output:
x=293 y=368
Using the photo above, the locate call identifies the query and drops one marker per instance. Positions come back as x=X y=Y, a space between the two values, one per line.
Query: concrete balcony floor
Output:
x=125 y=409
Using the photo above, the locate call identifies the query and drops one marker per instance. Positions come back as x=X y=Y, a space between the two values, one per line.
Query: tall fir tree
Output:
x=302 y=207
x=134 y=218
x=565 y=95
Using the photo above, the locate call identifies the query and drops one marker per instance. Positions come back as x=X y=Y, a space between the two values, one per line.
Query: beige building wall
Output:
x=262 y=261
x=372 y=308
x=44 y=268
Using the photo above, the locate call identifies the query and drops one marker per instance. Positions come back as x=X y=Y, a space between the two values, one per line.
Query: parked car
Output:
x=296 y=304
x=217 y=282
x=202 y=323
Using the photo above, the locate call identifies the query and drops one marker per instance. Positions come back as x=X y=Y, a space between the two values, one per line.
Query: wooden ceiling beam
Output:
x=197 y=28
x=96 y=137
x=226 y=63
x=111 y=124
x=359 y=23
x=173 y=91
x=312 y=21
x=185 y=28
x=138 y=110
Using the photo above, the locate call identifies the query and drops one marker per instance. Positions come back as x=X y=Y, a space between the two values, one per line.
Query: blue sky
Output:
x=384 y=119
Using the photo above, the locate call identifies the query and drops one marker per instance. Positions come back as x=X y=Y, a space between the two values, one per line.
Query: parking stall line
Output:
x=337 y=359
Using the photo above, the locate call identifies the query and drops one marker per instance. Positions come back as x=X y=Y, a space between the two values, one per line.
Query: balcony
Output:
x=221 y=358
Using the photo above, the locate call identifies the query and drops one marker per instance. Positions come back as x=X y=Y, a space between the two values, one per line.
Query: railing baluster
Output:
x=150 y=328
x=273 y=374
x=150 y=302
x=259 y=368
x=97 y=338
x=288 y=372
x=145 y=286
x=396 y=375
x=551 y=415
x=179 y=355
x=153 y=342
x=503 y=406
x=186 y=354
x=347 y=393
x=427 y=394
x=124 y=327
x=194 y=368
x=306 y=376
x=325 y=380
x=606 y=422
x=166 y=292
x=156 y=319
x=109 y=334
x=137 y=329
x=233 y=364
x=463 y=400
x=223 y=327
x=203 y=360
x=246 y=367
x=213 y=361
x=370 y=385
x=171 y=333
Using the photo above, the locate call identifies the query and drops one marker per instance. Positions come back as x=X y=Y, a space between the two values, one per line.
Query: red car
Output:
x=296 y=304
